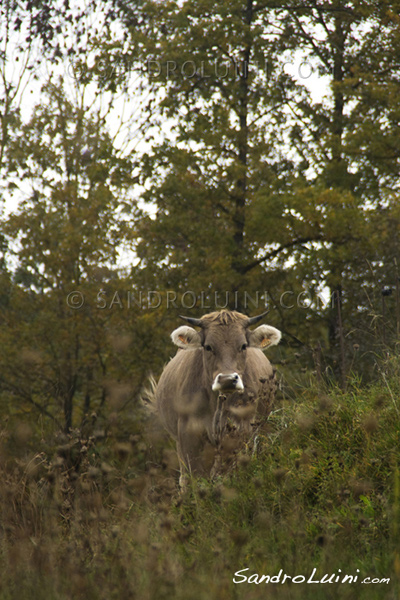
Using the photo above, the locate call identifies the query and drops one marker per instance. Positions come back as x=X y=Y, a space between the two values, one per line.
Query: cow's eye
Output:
x=208 y=348
x=243 y=348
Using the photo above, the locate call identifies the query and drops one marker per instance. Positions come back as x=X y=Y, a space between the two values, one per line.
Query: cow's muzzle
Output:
x=231 y=382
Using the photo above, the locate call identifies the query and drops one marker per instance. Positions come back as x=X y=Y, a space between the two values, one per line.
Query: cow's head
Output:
x=224 y=337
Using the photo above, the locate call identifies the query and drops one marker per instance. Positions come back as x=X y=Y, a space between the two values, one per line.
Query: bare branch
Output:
x=274 y=253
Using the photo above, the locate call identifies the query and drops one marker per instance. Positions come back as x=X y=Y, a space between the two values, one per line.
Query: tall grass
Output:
x=97 y=515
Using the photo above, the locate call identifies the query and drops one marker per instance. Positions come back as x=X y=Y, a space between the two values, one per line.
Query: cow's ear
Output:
x=186 y=337
x=264 y=336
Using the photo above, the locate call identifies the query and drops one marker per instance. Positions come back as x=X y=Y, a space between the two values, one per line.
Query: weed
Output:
x=99 y=517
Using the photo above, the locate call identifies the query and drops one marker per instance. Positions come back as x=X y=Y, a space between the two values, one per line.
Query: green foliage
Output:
x=262 y=185
x=58 y=347
x=67 y=226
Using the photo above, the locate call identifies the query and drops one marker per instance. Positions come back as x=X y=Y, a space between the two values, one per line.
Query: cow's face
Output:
x=224 y=348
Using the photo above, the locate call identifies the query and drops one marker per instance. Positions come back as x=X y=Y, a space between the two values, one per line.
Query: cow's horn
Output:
x=254 y=320
x=192 y=321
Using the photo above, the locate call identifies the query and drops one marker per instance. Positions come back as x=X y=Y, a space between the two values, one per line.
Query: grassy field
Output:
x=95 y=515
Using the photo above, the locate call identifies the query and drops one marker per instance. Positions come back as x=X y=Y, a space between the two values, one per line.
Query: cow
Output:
x=218 y=381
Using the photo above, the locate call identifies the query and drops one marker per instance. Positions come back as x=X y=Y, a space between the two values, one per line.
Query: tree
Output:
x=222 y=81
x=64 y=238
x=356 y=46
x=257 y=176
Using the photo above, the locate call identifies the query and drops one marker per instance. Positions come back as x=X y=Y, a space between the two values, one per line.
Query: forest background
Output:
x=166 y=158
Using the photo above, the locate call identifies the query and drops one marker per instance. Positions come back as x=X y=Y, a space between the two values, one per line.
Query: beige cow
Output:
x=218 y=381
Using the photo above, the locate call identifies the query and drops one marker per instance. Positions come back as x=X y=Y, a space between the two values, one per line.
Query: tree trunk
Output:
x=239 y=216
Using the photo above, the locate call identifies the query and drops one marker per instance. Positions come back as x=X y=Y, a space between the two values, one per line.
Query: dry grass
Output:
x=97 y=516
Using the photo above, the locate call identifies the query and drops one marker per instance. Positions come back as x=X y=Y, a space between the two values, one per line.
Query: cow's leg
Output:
x=190 y=445
x=184 y=468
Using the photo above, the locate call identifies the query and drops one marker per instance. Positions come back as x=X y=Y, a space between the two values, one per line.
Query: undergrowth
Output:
x=96 y=515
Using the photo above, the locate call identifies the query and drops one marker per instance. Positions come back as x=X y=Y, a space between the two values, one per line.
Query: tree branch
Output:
x=274 y=253
x=300 y=7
